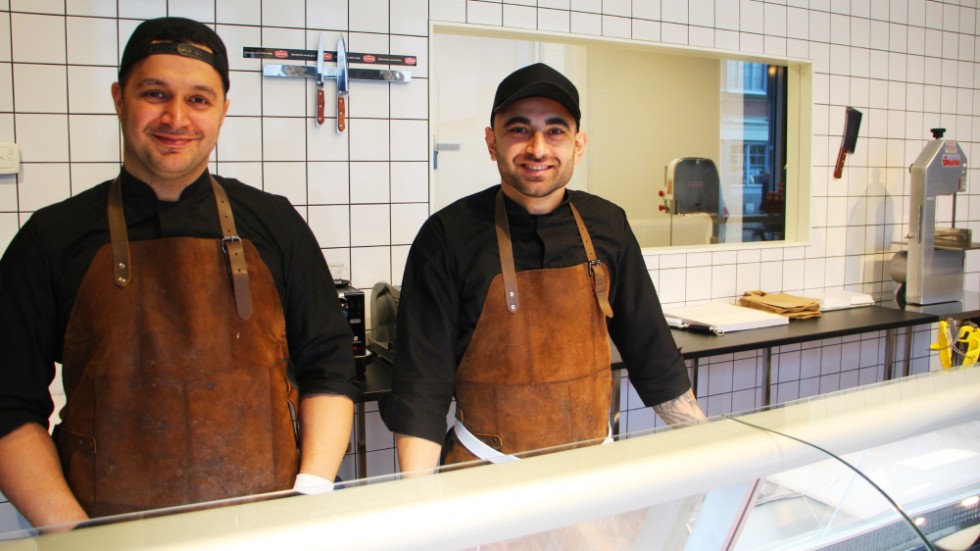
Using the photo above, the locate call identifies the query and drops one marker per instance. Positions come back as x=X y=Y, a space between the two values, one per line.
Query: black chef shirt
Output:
x=449 y=269
x=41 y=270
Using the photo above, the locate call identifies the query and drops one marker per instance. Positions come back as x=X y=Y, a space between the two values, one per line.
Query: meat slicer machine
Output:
x=930 y=270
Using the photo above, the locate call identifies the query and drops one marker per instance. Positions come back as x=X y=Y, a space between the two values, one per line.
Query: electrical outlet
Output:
x=9 y=158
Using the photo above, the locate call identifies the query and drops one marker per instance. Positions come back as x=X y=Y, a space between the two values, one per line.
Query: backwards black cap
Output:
x=176 y=36
x=538 y=80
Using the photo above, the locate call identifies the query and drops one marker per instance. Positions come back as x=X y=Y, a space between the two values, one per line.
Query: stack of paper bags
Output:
x=791 y=306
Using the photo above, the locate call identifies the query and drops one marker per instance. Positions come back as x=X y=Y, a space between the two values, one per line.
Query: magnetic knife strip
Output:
x=306 y=71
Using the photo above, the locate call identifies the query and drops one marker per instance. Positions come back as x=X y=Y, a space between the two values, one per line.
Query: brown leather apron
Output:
x=537 y=372
x=175 y=373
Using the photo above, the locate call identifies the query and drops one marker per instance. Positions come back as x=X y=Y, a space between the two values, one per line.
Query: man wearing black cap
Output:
x=186 y=309
x=510 y=296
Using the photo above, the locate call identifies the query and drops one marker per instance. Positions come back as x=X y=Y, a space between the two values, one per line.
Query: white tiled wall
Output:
x=909 y=65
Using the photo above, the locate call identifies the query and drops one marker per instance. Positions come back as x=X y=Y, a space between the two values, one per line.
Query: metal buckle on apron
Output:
x=593 y=264
x=228 y=238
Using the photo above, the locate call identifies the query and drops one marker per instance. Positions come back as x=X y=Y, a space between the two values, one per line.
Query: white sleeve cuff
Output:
x=312 y=484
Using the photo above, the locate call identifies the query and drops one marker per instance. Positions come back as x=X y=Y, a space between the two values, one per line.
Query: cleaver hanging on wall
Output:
x=852 y=124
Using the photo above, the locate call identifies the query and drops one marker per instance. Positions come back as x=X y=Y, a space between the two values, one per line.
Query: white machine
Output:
x=931 y=270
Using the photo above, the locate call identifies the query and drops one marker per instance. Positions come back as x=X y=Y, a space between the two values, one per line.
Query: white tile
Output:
x=751 y=43
x=723 y=279
x=198 y=10
x=8 y=193
x=284 y=13
x=142 y=9
x=280 y=139
x=650 y=9
x=38 y=6
x=326 y=14
x=330 y=225
x=90 y=89
x=520 y=17
x=92 y=8
x=370 y=225
x=674 y=34
x=38 y=38
x=369 y=182
x=94 y=138
x=286 y=179
x=727 y=40
x=616 y=27
x=775 y=20
x=43 y=184
x=369 y=140
x=369 y=99
x=840 y=29
x=240 y=139
x=369 y=16
x=40 y=88
x=328 y=183
x=409 y=140
x=410 y=17
x=674 y=11
x=797 y=23
x=91 y=41
x=819 y=26
x=414 y=46
x=324 y=143
x=484 y=13
x=698 y=283
x=701 y=37
x=399 y=255
x=410 y=101
x=287 y=97
x=235 y=38
x=793 y=274
x=586 y=23
x=649 y=30
x=410 y=182
x=239 y=12
x=89 y=175
x=42 y=138
x=621 y=8
x=8 y=225
x=245 y=95
x=593 y=6
x=447 y=10
x=406 y=219
x=672 y=288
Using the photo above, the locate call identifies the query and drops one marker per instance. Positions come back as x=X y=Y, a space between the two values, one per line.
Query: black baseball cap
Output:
x=538 y=80
x=176 y=36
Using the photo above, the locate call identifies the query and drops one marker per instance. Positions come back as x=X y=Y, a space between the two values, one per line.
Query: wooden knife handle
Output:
x=839 y=167
x=341 y=113
x=320 y=103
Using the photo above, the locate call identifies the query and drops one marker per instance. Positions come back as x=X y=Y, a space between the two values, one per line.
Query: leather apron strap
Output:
x=600 y=277
x=231 y=244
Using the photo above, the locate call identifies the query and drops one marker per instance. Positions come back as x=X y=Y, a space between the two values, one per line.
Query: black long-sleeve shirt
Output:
x=41 y=271
x=449 y=269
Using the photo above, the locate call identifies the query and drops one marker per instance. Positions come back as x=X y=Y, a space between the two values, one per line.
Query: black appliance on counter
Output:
x=384 y=312
x=352 y=305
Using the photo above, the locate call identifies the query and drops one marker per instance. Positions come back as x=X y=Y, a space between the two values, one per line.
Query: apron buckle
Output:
x=229 y=238
x=593 y=264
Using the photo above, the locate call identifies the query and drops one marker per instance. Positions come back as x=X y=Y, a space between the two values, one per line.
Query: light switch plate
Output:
x=9 y=158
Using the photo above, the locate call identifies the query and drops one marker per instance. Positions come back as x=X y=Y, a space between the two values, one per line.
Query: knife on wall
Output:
x=319 y=80
x=343 y=84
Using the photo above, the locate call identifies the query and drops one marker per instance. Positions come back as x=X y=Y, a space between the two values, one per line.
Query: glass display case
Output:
x=887 y=466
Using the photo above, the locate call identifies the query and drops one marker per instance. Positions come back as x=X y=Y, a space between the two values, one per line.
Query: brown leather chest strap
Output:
x=506 y=249
x=600 y=277
x=231 y=244
x=118 y=236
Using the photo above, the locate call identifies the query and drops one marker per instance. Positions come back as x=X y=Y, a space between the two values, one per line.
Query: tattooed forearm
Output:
x=683 y=410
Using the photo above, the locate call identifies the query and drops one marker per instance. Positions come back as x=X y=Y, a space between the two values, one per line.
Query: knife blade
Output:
x=320 y=101
x=342 y=84
x=306 y=71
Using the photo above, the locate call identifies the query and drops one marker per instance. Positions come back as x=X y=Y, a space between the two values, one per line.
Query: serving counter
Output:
x=878 y=467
